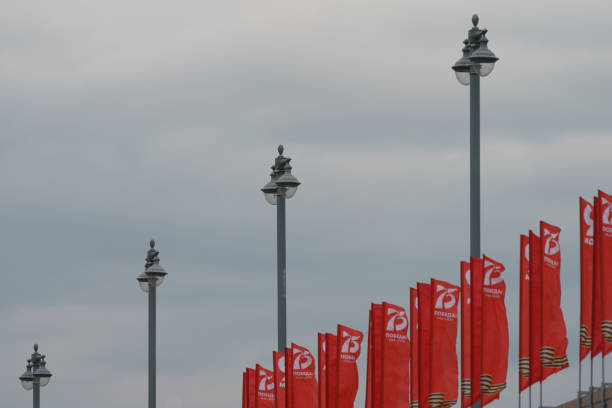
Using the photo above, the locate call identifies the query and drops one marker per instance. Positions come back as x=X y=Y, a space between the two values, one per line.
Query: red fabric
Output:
x=553 y=351
x=597 y=286
x=414 y=348
x=279 y=378
x=495 y=340
x=244 y=390
x=377 y=328
x=395 y=358
x=587 y=230
x=605 y=262
x=476 y=277
x=251 y=388
x=265 y=387
x=535 y=305
x=444 y=372
x=524 y=328
x=347 y=379
x=304 y=383
x=331 y=372
x=289 y=378
x=368 y=402
x=321 y=373
x=424 y=296
x=466 y=323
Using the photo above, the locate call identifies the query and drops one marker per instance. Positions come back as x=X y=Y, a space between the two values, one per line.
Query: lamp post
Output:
x=149 y=280
x=282 y=185
x=36 y=375
x=477 y=61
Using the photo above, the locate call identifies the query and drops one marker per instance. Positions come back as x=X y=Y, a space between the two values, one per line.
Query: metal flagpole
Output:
x=603 y=375
x=530 y=395
x=591 y=385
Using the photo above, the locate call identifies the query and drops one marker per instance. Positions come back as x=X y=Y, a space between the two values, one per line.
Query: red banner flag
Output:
x=331 y=345
x=321 y=372
x=495 y=340
x=265 y=387
x=347 y=379
x=605 y=262
x=279 y=379
x=535 y=305
x=377 y=337
x=304 y=383
x=368 y=402
x=251 y=388
x=395 y=358
x=414 y=348
x=587 y=230
x=424 y=296
x=524 y=328
x=553 y=351
x=289 y=378
x=444 y=371
x=476 y=278
x=466 y=324
x=244 y=390
x=596 y=345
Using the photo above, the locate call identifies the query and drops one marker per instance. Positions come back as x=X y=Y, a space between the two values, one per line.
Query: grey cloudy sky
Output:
x=126 y=120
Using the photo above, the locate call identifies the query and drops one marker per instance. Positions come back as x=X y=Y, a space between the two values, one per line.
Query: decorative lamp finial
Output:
x=475 y=20
x=281 y=149
x=36 y=348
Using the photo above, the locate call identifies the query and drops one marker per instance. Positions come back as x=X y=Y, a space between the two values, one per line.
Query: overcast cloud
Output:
x=127 y=120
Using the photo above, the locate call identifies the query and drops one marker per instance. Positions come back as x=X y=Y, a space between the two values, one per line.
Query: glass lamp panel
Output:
x=44 y=381
x=159 y=280
x=486 y=68
x=270 y=198
x=144 y=285
x=290 y=192
x=463 y=77
x=27 y=384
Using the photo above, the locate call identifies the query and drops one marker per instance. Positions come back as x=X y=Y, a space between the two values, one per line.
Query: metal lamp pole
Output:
x=149 y=280
x=477 y=61
x=282 y=186
x=36 y=375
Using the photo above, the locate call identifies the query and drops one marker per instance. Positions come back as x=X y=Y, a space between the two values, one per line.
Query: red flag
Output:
x=304 y=383
x=244 y=390
x=265 y=387
x=279 y=379
x=251 y=388
x=553 y=351
x=395 y=358
x=524 y=328
x=331 y=346
x=444 y=371
x=597 y=286
x=321 y=374
x=495 y=341
x=377 y=329
x=414 y=348
x=424 y=296
x=476 y=278
x=466 y=324
x=289 y=377
x=587 y=230
x=535 y=305
x=347 y=379
x=605 y=262
x=368 y=403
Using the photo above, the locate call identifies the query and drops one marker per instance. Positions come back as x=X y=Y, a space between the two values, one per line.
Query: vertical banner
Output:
x=265 y=387
x=476 y=279
x=368 y=402
x=587 y=230
x=377 y=335
x=596 y=344
x=347 y=378
x=535 y=305
x=424 y=296
x=289 y=378
x=444 y=372
x=495 y=340
x=331 y=372
x=244 y=390
x=414 y=348
x=303 y=383
x=524 y=329
x=605 y=262
x=553 y=351
x=251 y=388
x=395 y=358
x=321 y=372
x=279 y=379
x=466 y=335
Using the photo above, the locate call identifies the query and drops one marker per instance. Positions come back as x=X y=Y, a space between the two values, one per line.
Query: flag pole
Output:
x=603 y=375
x=530 y=395
x=591 y=386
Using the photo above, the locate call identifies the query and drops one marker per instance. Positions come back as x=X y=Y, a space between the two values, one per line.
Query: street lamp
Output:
x=36 y=375
x=477 y=60
x=282 y=185
x=149 y=280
